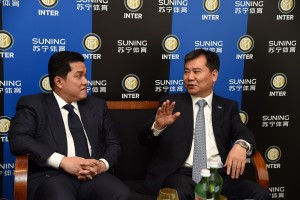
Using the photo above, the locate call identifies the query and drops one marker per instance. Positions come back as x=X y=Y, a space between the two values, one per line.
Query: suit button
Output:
x=47 y=176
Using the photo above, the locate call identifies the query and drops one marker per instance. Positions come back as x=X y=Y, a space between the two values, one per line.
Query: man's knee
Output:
x=263 y=194
x=124 y=193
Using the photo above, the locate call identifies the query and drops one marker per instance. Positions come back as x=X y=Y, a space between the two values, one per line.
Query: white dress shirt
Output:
x=211 y=147
x=55 y=159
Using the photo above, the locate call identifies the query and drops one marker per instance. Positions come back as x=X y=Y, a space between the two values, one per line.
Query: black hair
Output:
x=213 y=60
x=59 y=64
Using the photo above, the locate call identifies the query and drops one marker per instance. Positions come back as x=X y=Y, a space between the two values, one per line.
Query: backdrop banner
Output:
x=134 y=51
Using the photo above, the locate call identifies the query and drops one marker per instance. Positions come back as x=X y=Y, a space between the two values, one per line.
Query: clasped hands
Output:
x=84 y=169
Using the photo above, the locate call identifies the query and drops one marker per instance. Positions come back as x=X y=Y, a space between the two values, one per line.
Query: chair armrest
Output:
x=261 y=171
x=21 y=173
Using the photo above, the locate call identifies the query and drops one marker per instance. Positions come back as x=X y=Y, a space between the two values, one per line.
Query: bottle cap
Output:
x=205 y=172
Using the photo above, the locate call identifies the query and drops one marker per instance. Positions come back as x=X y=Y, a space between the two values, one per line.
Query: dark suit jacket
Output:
x=173 y=145
x=38 y=130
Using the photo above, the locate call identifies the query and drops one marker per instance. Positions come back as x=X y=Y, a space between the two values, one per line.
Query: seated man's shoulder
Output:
x=34 y=97
x=224 y=99
x=90 y=99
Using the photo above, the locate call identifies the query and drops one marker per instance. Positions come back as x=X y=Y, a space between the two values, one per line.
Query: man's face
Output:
x=198 y=79
x=74 y=86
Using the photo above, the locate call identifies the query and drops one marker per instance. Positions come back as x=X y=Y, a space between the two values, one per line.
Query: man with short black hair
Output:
x=69 y=137
x=173 y=128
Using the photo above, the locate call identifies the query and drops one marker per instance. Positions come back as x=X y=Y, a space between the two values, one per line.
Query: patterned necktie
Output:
x=76 y=129
x=199 y=157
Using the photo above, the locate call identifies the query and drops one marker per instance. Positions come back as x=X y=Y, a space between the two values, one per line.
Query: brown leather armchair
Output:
x=21 y=172
x=21 y=163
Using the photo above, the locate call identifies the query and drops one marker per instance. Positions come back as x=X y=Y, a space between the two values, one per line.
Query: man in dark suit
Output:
x=41 y=129
x=171 y=131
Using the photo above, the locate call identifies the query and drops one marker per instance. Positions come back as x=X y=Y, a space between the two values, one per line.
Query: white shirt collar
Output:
x=62 y=103
x=208 y=99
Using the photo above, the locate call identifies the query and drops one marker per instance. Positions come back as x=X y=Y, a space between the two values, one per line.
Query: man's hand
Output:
x=72 y=165
x=84 y=169
x=164 y=115
x=91 y=169
x=236 y=161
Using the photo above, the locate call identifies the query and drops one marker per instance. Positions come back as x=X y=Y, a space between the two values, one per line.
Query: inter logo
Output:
x=45 y=84
x=48 y=3
x=273 y=154
x=91 y=42
x=131 y=83
x=245 y=43
x=133 y=5
x=286 y=6
x=244 y=116
x=278 y=81
x=6 y=40
x=171 y=43
x=211 y=6
x=4 y=124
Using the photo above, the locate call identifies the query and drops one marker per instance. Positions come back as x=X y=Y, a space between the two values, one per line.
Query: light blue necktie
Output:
x=199 y=158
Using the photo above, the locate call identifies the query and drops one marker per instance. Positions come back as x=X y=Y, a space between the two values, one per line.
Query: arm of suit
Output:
x=23 y=132
x=108 y=138
x=240 y=131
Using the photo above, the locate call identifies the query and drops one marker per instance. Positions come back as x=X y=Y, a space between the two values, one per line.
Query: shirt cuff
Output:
x=54 y=160
x=156 y=132
x=105 y=162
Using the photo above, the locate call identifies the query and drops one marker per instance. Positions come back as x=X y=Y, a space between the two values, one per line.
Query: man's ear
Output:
x=58 y=81
x=215 y=74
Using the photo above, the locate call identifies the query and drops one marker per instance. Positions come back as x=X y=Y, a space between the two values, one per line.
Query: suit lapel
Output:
x=88 y=117
x=187 y=114
x=56 y=124
x=217 y=116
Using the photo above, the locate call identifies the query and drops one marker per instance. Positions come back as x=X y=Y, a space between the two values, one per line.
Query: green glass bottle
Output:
x=216 y=181
x=203 y=189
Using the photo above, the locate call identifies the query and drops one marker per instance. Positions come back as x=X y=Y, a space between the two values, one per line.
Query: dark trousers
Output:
x=233 y=189
x=66 y=187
